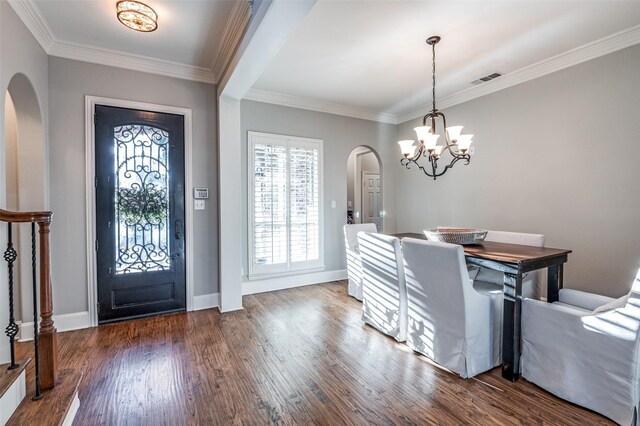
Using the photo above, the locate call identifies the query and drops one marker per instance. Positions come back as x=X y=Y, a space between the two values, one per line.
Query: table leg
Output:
x=555 y=277
x=511 y=326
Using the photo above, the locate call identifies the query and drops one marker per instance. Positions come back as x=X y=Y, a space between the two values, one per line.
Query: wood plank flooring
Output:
x=298 y=356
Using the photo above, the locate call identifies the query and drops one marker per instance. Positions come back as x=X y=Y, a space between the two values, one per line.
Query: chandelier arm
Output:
x=447 y=167
x=417 y=155
x=444 y=125
x=455 y=154
x=407 y=163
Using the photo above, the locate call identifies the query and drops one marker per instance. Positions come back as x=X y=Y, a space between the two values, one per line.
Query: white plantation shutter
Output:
x=304 y=203
x=284 y=203
x=270 y=204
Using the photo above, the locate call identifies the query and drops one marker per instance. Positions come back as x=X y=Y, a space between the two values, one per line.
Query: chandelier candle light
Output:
x=137 y=16
x=456 y=143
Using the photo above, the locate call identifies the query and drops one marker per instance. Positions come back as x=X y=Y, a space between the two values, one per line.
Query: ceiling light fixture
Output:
x=455 y=143
x=137 y=16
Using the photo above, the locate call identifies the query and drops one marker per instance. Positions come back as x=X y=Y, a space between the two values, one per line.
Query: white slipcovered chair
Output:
x=354 y=266
x=384 y=294
x=531 y=282
x=584 y=352
x=449 y=321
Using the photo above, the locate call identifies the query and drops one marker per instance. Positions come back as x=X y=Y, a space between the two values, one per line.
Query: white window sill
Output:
x=266 y=276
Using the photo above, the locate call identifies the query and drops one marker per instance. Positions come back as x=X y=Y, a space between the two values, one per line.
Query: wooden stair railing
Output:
x=45 y=336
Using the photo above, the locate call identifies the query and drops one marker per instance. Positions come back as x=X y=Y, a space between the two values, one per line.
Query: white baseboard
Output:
x=78 y=320
x=205 y=301
x=292 y=281
x=64 y=322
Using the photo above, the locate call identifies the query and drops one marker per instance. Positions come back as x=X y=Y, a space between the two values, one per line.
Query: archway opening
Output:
x=25 y=171
x=364 y=187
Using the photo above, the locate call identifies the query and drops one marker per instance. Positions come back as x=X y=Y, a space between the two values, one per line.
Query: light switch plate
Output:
x=333 y=204
x=198 y=205
x=472 y=150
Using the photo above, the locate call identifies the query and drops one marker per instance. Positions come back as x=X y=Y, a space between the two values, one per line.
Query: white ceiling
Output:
x=372 y=55
x=189 y=31
x=362 y=58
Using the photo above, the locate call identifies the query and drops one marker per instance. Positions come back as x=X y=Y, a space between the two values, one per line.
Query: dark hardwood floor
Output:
x=299 y=356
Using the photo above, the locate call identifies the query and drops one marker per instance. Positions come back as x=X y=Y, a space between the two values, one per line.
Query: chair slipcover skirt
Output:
x=384 y=294
x=354 y=262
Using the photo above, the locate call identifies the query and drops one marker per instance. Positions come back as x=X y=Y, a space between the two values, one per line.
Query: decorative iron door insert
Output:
x=139 y=213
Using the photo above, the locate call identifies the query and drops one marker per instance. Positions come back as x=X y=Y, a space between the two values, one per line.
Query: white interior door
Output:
x=372 y=199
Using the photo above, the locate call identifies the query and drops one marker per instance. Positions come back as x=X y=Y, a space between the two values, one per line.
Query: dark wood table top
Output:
x=502 y=252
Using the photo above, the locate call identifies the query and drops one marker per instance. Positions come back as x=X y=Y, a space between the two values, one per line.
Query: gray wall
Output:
x=557 y=156
x=21 y=54
x=340 y=135
x=69 y=82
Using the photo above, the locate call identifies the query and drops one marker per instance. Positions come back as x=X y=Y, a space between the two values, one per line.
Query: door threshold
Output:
x=141 y=316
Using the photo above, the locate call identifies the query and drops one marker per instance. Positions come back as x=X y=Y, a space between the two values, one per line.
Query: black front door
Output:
x=139 y=213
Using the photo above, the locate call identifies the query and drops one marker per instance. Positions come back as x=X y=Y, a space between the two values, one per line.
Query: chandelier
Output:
x=137 y=16
x=455 y=143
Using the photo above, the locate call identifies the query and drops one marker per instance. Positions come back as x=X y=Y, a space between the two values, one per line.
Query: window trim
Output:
x=290 y=268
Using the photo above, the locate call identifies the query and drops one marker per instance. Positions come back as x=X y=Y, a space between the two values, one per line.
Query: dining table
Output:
x=514 y=261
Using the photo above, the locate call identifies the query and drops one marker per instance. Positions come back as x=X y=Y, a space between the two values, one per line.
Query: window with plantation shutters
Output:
x=285 y=221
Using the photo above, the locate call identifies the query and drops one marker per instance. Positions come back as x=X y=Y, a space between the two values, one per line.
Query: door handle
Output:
x=178 y=229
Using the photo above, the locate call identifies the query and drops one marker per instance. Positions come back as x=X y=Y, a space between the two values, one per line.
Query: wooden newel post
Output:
x=48 y=339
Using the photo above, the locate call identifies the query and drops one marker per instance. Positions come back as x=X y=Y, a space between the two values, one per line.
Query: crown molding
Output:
x=32 y=18
x=30 y=14
x=117 y=59
x=231 y=36
x=587 y=52
x=316 y=105
x=593 y=50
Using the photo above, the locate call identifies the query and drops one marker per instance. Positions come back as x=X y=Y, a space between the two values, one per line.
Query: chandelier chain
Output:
x=433 y=70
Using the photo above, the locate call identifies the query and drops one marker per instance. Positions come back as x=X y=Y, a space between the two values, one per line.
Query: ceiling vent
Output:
x=486 y=78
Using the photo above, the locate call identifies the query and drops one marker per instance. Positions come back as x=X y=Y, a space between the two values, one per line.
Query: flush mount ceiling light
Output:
x=455 y=143
x=137 y=16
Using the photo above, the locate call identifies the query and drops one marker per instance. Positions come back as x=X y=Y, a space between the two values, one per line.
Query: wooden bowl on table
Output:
x=462 y=236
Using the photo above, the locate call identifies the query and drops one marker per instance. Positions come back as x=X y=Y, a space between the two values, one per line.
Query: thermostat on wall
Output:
x=200 y=193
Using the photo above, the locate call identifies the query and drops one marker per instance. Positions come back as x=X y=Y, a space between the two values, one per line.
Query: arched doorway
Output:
x=25 y=171
x=364 y=187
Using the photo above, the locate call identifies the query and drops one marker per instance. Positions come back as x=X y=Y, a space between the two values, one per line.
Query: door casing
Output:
x=90 y=201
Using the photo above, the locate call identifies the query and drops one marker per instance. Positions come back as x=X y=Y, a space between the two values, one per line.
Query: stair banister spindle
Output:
x=38 y=393
x=10 y=256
